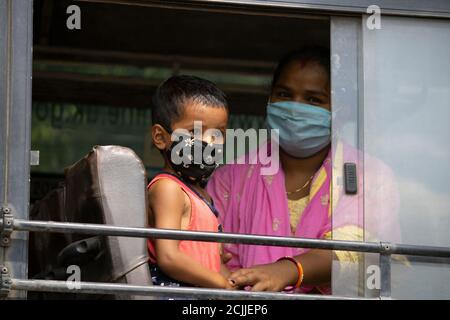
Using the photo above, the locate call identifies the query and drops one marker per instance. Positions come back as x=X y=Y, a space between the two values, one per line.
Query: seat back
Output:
x=107 y=186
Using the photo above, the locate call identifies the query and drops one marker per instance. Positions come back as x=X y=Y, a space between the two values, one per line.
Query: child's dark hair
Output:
x=317 y=54
x=173 y=94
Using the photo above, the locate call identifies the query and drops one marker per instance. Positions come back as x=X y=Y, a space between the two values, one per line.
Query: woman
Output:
x=296 y=201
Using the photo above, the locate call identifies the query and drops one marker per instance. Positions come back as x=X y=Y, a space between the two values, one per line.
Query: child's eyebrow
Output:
x=280 y=86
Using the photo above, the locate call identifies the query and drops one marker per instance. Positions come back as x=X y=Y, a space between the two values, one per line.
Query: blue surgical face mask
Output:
x=304 y=129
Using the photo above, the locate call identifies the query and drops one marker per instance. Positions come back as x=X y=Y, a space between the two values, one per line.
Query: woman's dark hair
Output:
x=172 y=96
x=305 y=55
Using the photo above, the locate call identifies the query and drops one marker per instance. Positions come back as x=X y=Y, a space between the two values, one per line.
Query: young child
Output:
x=177 y=199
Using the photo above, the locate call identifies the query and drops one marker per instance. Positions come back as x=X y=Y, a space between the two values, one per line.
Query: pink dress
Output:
x=202 y=219
x=251 y=203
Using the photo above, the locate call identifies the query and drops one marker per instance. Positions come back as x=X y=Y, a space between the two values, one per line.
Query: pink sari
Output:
x=251 y=203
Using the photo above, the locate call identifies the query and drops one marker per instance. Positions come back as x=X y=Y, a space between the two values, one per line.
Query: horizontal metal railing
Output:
x=159 y=291
x=383 y=248
x=105 y=230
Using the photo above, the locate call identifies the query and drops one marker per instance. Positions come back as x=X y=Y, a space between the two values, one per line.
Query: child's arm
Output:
x=168 y=203
x=224 y=271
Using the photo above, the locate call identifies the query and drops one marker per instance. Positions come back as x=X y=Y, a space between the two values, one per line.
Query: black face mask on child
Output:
x=192 y=159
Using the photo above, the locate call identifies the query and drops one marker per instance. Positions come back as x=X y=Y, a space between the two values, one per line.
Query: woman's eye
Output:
x=313 y=100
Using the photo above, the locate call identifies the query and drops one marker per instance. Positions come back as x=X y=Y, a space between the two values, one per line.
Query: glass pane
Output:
x=406 y=148
x=76 y=128
x=347 y=223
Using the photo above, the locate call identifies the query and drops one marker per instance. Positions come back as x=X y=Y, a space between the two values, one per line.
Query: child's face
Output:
x=308 y=83
x=210 y=117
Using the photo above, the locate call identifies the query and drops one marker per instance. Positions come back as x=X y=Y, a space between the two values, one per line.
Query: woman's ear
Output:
x=160 y=137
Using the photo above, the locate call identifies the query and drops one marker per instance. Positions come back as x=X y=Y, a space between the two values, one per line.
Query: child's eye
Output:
x=218 y=139
x=283 y=94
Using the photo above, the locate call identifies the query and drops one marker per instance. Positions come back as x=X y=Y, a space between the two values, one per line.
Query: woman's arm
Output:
x=281 y=274
x=168 y=204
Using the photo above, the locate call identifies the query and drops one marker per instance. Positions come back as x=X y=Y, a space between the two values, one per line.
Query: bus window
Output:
x=94 y=85
x=391 y=127
x=406 y=112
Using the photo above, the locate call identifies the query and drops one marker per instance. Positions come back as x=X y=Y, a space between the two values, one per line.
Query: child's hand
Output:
x=225 y=283
x=225 y=256
x=230 y=285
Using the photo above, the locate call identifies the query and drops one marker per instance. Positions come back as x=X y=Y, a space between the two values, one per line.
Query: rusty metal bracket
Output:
x=5 y=281
x=385 y=269
x=7 y=226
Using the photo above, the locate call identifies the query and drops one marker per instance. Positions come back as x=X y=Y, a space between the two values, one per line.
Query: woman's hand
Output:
x=268 y=277
x=281 y=274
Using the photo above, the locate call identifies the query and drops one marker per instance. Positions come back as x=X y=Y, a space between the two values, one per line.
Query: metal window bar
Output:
x=107 y=230
x=384 y=249
x=180 y=292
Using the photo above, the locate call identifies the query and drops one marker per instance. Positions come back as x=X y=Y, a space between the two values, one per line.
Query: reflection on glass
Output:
x=406 y=114
x=66 y=132
x=347 y=213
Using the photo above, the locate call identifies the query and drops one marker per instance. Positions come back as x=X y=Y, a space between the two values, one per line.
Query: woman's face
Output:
x=306 y=83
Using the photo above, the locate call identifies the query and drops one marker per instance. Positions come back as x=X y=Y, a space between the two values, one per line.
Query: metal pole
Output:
x=106 y=230
x=385 y=271
x=415 y=8
x=182 y=292
x=16 y=23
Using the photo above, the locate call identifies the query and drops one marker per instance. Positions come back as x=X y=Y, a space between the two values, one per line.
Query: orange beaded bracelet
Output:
x=299 y=270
